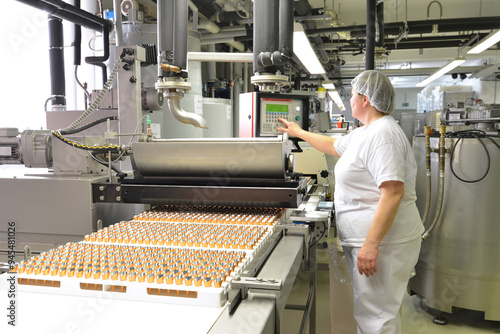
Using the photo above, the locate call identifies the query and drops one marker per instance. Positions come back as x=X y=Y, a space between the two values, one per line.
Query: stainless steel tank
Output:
x=459 y=264
x=218 y=113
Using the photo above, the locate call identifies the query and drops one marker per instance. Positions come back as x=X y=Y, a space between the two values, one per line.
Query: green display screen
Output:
x=276 y=108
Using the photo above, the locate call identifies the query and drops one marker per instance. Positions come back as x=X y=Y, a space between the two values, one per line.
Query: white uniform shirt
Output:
x=370 y=156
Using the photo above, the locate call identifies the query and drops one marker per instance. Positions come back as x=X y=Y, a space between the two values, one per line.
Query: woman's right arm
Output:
x=322 y=143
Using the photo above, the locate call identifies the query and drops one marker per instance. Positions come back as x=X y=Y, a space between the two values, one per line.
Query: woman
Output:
x=377 y=219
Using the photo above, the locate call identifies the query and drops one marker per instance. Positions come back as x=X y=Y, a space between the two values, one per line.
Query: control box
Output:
x=259 y=113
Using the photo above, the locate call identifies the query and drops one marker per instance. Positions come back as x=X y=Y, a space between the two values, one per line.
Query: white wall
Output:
x=25 y=73
x=406 y=95
x=25 y=84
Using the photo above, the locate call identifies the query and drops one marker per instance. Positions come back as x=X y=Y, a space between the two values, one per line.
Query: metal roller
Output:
x=266 y=158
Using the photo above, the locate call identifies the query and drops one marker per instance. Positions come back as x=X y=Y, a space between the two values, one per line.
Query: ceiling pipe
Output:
x=349 y=74
x=379 y=41
x=371 y=13
x=409 y=43
x=419 y=27
x=204 y=23
x=70 y=13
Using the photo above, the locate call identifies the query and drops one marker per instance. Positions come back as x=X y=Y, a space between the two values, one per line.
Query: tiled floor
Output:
x=415 y=320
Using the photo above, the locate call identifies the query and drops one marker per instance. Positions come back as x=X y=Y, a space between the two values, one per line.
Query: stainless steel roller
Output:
x=213 y=158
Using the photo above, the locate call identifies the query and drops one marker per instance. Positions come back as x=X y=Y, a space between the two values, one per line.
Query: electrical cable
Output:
x=106 y=88
x=87 y=94
x=99 y=98
x=85 y=127
x=320 y=237
x=118 y=172
x=99 y=149
x=478 y=134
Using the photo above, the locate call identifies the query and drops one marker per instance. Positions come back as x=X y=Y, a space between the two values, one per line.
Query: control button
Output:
x=297 y=118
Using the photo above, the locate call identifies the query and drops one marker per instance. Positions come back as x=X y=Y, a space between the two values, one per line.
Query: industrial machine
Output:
x=457 y=191
x=91 y=216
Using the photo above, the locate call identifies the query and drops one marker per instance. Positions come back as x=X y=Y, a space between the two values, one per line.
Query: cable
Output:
x=100 y=149
x=320 y=237
x=118 y=172
x=107 y=86
x=102 y=120
x=99 y=98
x=478 y=134
x=80 y=84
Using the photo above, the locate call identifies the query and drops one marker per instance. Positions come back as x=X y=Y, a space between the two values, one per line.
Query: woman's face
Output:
x=356 y=104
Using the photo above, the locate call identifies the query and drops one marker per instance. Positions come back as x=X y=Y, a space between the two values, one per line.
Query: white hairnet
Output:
x=377 y=88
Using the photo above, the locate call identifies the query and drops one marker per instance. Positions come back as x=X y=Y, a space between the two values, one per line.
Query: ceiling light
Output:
x=334 y=95
x=328 y=85
x=304 y=51
x=442 y=71
x=490 y=40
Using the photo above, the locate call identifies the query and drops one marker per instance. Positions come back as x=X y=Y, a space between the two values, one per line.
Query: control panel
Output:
x=273 y=108
x=259 y=113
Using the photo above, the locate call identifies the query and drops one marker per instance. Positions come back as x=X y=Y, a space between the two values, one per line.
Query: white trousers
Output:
x=378 y=298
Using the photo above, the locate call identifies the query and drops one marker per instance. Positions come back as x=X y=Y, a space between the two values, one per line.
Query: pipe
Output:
x=286 y=28
x=439 y=205
x=118 y=22
x=180 y=33
x=418 y=27
x=165 y=33
x=68 y=12
x=77 y=43
x=266 y=39
x=56 y=61
x=427 y=130
x=221 y=57
x=182 y=116
x=380 y=24
x=371 y=6
x=210 y=26
x=212 y=65
x=429 y=9
x=196 y=12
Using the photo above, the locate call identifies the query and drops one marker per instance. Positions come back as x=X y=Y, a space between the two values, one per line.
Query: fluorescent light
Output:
x=336 y=98
x=304 y=51
x=490 y=40
x=329 y=86
x=443 y=70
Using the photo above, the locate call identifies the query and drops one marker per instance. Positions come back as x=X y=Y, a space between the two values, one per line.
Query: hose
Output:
x=478 y=134
x=442 y=151
x=118 y=172
x=428 y=196
x=438 y=207
x=88 y=126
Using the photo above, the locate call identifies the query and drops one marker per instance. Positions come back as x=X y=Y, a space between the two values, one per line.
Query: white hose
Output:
x=427 y=198
x=438 y=207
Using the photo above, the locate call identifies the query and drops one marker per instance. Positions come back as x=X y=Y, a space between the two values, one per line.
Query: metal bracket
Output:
x=107 y=193
x=254 y=282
